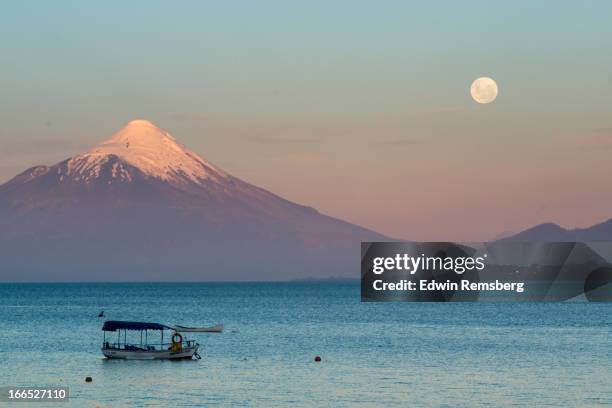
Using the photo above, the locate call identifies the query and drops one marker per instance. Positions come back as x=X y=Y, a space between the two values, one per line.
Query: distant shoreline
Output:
x=301 y=280
x=333 y=279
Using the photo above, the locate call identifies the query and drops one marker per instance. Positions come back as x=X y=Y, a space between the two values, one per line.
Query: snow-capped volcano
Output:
x=150 y=149
x=140 y=206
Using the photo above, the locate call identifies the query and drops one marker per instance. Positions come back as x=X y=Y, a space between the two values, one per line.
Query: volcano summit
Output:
x=140 y=206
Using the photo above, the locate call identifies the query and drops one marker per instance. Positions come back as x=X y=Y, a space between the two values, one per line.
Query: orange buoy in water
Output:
x=318 y=359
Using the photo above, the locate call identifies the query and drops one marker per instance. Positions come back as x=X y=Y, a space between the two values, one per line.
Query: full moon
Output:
x=484 y=90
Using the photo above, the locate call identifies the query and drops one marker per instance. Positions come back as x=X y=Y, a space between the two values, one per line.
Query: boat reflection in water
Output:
x=151 y=345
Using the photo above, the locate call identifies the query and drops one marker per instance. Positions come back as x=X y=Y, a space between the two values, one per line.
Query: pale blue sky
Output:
x=331 y=103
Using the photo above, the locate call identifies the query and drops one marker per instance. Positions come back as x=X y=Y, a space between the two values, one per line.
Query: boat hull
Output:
x=185 y=353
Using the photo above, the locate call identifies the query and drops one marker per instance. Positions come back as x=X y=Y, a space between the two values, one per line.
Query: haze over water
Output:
x=391 y=354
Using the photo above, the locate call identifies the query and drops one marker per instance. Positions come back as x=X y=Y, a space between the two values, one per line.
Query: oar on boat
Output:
x=212 y=329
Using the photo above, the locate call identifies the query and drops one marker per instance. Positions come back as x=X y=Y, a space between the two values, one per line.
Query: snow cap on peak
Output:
x=155 y=152
x=141 y=122
x=139 y=129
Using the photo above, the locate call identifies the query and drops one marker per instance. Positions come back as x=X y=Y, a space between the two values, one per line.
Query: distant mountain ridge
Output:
x=556 y=233
x=140 y=206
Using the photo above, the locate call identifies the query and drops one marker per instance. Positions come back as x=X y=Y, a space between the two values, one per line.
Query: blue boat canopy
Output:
x=114 y=325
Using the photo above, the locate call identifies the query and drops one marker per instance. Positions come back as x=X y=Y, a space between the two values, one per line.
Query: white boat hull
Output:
x=185 y=353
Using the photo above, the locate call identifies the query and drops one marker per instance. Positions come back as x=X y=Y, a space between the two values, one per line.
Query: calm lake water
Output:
x=373 y=354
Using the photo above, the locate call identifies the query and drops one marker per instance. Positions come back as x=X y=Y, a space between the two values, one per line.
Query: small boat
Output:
x=146 y=346
x=212 y=329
